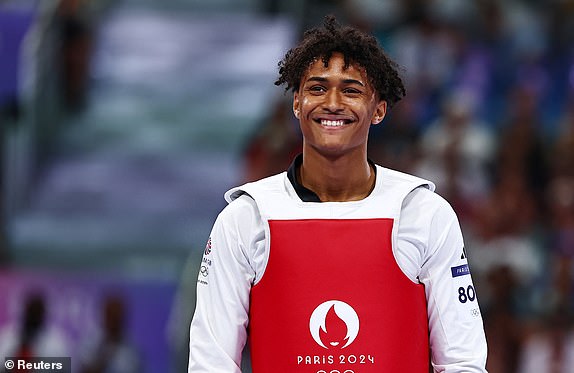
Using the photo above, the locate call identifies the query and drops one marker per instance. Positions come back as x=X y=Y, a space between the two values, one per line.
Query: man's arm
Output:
x=457 y=339
x=218 y=329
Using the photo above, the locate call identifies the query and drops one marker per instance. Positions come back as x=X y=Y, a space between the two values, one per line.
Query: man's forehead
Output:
x=319 y=66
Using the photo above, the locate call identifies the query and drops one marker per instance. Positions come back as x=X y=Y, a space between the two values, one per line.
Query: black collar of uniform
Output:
x=305 y=194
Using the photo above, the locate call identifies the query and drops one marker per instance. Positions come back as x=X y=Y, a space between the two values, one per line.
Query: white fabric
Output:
x=427 y=244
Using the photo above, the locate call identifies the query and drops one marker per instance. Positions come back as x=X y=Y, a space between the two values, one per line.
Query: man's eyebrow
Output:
x=317 y=79
x=353 y=81
x=346 y=81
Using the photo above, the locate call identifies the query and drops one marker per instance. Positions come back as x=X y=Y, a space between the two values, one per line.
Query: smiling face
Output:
x=336 y=106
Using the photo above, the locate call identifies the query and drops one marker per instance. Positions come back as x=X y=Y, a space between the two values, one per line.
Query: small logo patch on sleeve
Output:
x=461 y=270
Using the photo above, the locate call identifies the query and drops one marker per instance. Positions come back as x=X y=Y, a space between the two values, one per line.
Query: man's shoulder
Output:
x=245 y=201
x=394 y=178
x=421 y=193
x=270 y=184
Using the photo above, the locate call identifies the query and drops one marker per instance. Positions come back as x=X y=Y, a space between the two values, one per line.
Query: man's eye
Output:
x=352 y=91
x=317 y=88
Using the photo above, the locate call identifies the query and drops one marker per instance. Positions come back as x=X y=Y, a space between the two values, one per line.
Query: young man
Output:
x=338 y=264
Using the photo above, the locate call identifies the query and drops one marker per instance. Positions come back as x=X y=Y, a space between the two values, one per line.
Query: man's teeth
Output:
x=332 y=123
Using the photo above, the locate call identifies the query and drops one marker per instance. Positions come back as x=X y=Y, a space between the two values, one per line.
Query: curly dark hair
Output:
x=356 y=46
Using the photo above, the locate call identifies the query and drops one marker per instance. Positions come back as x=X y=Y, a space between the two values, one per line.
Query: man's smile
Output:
x=333 y=120
x=333 y=123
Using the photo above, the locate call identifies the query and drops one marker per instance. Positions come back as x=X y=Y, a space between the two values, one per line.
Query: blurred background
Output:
x=123 y=122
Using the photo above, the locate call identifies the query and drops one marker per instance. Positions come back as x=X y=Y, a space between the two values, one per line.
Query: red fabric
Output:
x=349 y=261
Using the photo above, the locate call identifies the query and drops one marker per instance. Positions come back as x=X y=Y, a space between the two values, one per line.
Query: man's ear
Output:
x=380 y=112
x=296 y=109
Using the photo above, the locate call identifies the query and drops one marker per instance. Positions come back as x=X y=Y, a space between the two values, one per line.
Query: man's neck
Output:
x=337 y=179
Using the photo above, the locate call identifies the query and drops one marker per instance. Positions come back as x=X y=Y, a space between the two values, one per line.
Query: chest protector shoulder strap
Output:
x=332 y=298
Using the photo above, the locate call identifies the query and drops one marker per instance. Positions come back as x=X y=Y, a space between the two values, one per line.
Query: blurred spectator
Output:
x=562 y=153
x=10 y=114
x=457 y=151
x=506 y=222
x=498 y=241
x=33 y=337
x=395 y=142
x=76 y=35
x=274 y=144
x=112 y=352
x=522 y=151
x=503 y=329
x=550 y=348
x=560 y=197
x=426 y=51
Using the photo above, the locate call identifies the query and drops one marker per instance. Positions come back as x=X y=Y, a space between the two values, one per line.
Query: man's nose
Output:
x=333 y=100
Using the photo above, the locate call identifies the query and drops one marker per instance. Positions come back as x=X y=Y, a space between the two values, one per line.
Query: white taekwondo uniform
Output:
x=349 y=287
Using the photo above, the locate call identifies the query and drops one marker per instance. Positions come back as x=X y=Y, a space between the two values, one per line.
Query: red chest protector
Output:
x=332 y=298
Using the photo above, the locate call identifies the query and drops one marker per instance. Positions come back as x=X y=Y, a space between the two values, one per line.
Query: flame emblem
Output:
x=334 y=324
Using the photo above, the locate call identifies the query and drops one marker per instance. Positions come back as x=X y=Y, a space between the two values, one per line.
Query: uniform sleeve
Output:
x=431 y=229
x=228 y=269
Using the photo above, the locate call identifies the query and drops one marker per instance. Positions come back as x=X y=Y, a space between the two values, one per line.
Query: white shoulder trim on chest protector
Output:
x=275 y=198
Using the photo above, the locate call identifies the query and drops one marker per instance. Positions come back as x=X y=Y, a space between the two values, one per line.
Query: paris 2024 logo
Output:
x=334 y=324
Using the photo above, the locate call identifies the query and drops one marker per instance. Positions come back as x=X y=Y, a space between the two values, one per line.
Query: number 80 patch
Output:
x=465 y=293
